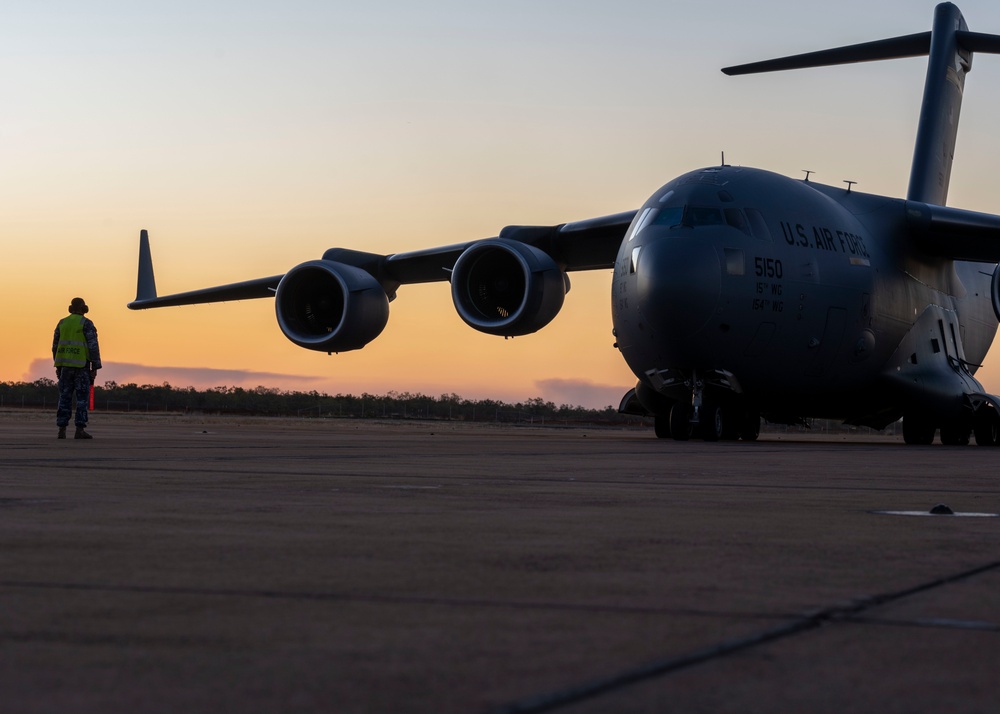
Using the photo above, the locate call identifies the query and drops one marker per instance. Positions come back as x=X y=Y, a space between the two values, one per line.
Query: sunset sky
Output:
x=251 y=136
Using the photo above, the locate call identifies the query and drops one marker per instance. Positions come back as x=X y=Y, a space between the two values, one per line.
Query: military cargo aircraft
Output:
x=737 y=293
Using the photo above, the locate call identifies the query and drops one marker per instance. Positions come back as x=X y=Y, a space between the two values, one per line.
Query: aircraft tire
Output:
x=680 y=421
x=750 y=428
x=955 y=434
x=918 y=430
x=987 y=428
x=661 y=426
x=723 y=424
x=708 y=428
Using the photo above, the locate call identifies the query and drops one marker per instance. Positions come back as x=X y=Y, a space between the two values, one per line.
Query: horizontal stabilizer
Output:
x=979 y=42
x=917 y=45
x=894 y=48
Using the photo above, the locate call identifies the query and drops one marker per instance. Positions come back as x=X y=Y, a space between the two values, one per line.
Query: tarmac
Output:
x=204 y=564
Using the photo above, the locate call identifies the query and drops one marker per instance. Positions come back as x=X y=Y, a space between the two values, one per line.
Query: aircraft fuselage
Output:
x=790 y=295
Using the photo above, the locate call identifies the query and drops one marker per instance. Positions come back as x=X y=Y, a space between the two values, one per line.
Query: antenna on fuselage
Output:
x=807 y=172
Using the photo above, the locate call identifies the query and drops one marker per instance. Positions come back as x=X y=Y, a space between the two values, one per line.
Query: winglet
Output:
x=146 y=297
x=146 y=284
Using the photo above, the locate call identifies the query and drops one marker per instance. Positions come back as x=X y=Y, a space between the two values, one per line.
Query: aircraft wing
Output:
x=245 y=290
x=954 y=233
x=590 y=244
x=145 y=294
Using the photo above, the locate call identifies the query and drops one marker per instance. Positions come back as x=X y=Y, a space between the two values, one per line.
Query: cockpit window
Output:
x=758 y=224
x=668 y=217
x=737 y=220
x=695 y=216
x=750 y=222
x=645 y=218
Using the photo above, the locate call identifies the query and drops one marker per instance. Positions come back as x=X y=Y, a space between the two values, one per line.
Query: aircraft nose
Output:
x=679 y=283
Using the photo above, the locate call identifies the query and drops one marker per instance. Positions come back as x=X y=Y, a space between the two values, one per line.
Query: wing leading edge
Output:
x=953 y=232
x=590 y=244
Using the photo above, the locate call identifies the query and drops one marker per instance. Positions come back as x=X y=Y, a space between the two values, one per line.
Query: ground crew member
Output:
x=77 y=358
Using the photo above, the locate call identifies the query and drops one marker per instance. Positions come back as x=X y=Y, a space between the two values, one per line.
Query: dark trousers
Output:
x=73 y=383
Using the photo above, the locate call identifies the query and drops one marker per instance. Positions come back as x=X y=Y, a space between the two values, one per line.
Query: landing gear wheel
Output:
x=710 y=422
x=918 y=430
x=987 y=427
x=680 y=422
x=730 y=430
x=955 y=434
x=661 y=426
x=750 y=426
x=723 y=424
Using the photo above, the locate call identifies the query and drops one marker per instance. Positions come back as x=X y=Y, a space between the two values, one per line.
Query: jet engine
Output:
x=505 y=287
x=330 y=307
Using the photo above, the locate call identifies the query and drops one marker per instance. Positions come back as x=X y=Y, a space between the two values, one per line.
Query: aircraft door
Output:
x=833 y=334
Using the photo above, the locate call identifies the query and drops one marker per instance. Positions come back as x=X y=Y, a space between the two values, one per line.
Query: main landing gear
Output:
x=919 y=428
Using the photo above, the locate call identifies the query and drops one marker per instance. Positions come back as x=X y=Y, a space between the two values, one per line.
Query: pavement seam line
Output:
x=836 y=613
x=372 y=598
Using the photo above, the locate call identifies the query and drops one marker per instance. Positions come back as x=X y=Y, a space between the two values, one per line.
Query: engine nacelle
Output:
x=508 y=288
x=330 y=307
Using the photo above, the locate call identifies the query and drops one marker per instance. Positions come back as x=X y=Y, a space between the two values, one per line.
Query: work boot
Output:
x=62 y=433
x=81 y=434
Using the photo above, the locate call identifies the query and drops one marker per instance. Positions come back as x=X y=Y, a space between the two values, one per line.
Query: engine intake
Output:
x=508 y=288
x=330 y=307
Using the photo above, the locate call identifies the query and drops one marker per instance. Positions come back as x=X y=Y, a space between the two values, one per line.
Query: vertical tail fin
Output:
x=949 y=46
x=947 y=65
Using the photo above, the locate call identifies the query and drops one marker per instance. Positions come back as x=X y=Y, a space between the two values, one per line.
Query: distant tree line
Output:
x=266 y=401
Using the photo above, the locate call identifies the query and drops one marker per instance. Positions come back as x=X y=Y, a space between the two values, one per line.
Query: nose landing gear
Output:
x=720 y=415
x=717 y=422
x=728 y=422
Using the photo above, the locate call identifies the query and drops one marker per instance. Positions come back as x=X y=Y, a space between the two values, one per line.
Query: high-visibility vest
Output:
x=72 y=348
